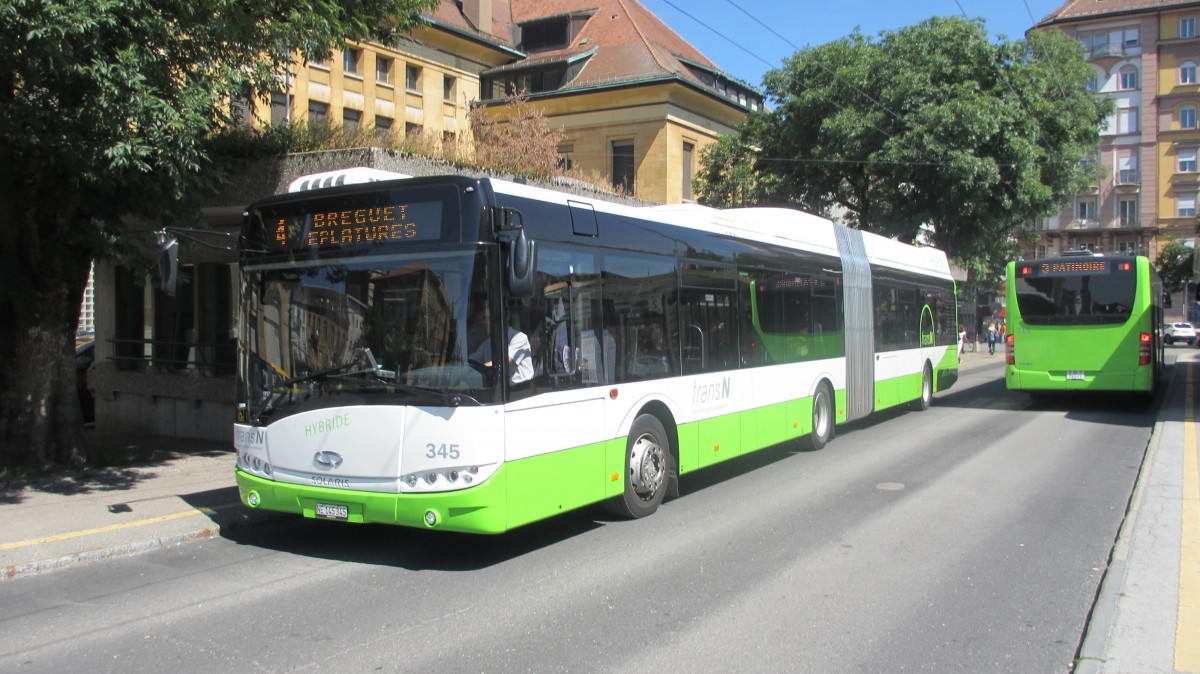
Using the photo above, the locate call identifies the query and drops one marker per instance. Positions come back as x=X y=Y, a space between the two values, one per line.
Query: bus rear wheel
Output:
x=926 y=398
x=822 y=418
x=647 y=469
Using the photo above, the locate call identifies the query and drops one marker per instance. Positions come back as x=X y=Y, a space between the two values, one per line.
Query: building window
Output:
x=1128 y=212
x=351 y=119
x=318 y=113
x=1095 y=44
x=1127 y=173
x=1092 y=85
x=279 y=109
x=1187 y=117
x=192 y=330
x=1187 y=27
x=1127 y=120
x=413 y=130
x=623 y=168
x=551 y=34
x=1086 y=209
x=1185 y=206
x=1187 y=73
x=1187 y=161
x=383 y=125
x=383 y=70
x=412 y=78
x=566 y=160
x=318 y=62
x=689 y=150
x=350 y=59
x=1129 y=78
x=448 y=89
x=1132 y=39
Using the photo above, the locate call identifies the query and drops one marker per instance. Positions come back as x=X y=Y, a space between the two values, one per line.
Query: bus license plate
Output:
x=332 y=512
x=1076 y=375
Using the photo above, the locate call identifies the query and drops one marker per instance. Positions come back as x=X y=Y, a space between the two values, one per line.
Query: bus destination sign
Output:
x=1043 y=268
x=343 y=224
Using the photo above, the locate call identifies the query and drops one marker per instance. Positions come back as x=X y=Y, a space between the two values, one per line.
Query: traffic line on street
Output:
x=1187 y=625
x=114 y=527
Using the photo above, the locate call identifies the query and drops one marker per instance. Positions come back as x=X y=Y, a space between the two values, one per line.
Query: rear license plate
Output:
x=332 y=512
x=1075 y=374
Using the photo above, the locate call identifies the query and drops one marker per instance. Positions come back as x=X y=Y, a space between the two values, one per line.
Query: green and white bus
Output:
x=643 y=343
x=1083 y=323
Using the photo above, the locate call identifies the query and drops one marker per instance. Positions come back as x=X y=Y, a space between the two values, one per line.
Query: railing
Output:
x=210 y=359
x=1083 y=223
x=1128 y=177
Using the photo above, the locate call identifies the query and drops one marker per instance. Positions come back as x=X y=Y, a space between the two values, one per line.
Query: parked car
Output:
x=85 y=354
x=1180 y=332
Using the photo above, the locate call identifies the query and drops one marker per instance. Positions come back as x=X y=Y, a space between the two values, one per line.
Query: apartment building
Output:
x=1144 y=54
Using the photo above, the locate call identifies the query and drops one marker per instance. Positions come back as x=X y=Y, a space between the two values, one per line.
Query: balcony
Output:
x=1083 y=223
x=1128 y=180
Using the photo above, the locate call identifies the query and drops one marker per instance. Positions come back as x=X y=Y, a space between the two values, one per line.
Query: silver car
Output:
x=1180 y=332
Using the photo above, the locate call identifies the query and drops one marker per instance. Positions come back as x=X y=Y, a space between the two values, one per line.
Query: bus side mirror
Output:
x=168 y=261
x=522 y=261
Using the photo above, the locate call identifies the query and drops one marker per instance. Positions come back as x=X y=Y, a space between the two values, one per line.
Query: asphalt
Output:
x=1146 y=617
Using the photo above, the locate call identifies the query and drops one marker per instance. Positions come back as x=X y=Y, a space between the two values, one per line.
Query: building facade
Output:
x=1144 y=54
x=635 y=101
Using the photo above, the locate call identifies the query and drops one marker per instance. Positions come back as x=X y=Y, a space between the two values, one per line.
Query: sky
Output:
x=745 y=49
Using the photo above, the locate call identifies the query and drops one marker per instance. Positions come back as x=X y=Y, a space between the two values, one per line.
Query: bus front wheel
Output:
x=822 y=418
x=647 y=469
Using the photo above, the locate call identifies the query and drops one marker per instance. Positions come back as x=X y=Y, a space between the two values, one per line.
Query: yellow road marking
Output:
x=1187 y=625
x=112 y=527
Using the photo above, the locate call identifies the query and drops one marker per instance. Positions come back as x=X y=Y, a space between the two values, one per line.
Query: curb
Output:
x=124 y=550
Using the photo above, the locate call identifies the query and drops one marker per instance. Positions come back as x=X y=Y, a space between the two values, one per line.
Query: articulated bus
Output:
x=637 y=344
x=1083 y=323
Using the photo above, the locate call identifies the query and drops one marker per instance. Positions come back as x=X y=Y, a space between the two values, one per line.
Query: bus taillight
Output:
x=1144 y=351
x=1010 y=355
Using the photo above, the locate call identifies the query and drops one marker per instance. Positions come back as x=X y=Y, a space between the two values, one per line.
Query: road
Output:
x=969 y=537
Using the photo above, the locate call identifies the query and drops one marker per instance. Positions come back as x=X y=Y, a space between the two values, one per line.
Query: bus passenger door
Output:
x=709 y=350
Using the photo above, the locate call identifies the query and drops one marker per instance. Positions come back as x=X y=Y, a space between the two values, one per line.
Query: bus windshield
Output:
x=388 y=329
x=1073 y=292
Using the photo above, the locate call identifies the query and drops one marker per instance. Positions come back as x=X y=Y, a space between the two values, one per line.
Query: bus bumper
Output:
x=1141 y=379
x=477 y=509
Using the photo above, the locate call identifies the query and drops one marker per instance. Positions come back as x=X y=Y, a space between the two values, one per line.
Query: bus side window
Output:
x=561 y=314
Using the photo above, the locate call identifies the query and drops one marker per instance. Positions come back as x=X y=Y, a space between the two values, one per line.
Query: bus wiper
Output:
x=449 y=399
x=318 y=375
x=363 y=359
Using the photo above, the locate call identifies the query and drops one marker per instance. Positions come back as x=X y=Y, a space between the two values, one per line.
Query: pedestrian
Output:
x=991 y=338
x=962 y=341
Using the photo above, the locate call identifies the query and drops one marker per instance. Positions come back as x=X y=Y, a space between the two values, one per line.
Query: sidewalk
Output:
x=185 y=491
x=1146 y=617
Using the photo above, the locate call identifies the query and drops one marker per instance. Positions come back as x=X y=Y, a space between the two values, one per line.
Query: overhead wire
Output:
x=796 y=81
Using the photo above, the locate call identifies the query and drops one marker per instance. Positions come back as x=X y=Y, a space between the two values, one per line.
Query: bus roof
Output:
x=785 y=226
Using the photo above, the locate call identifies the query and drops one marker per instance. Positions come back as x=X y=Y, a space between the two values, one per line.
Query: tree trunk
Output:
x=40 y=418
x=44 y=263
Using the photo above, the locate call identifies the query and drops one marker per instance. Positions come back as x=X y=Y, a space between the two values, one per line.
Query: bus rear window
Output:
x=1076 y=292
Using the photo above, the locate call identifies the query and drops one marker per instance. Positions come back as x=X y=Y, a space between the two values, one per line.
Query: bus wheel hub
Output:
x=647 y=466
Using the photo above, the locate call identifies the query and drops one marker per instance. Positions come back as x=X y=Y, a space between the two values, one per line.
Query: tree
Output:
x=726 y=178
x=105 y=109
x=932 y=124
x=516 y=138
x=1174 y=265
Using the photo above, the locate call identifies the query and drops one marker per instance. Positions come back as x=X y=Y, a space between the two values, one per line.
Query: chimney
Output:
x=479 y=12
